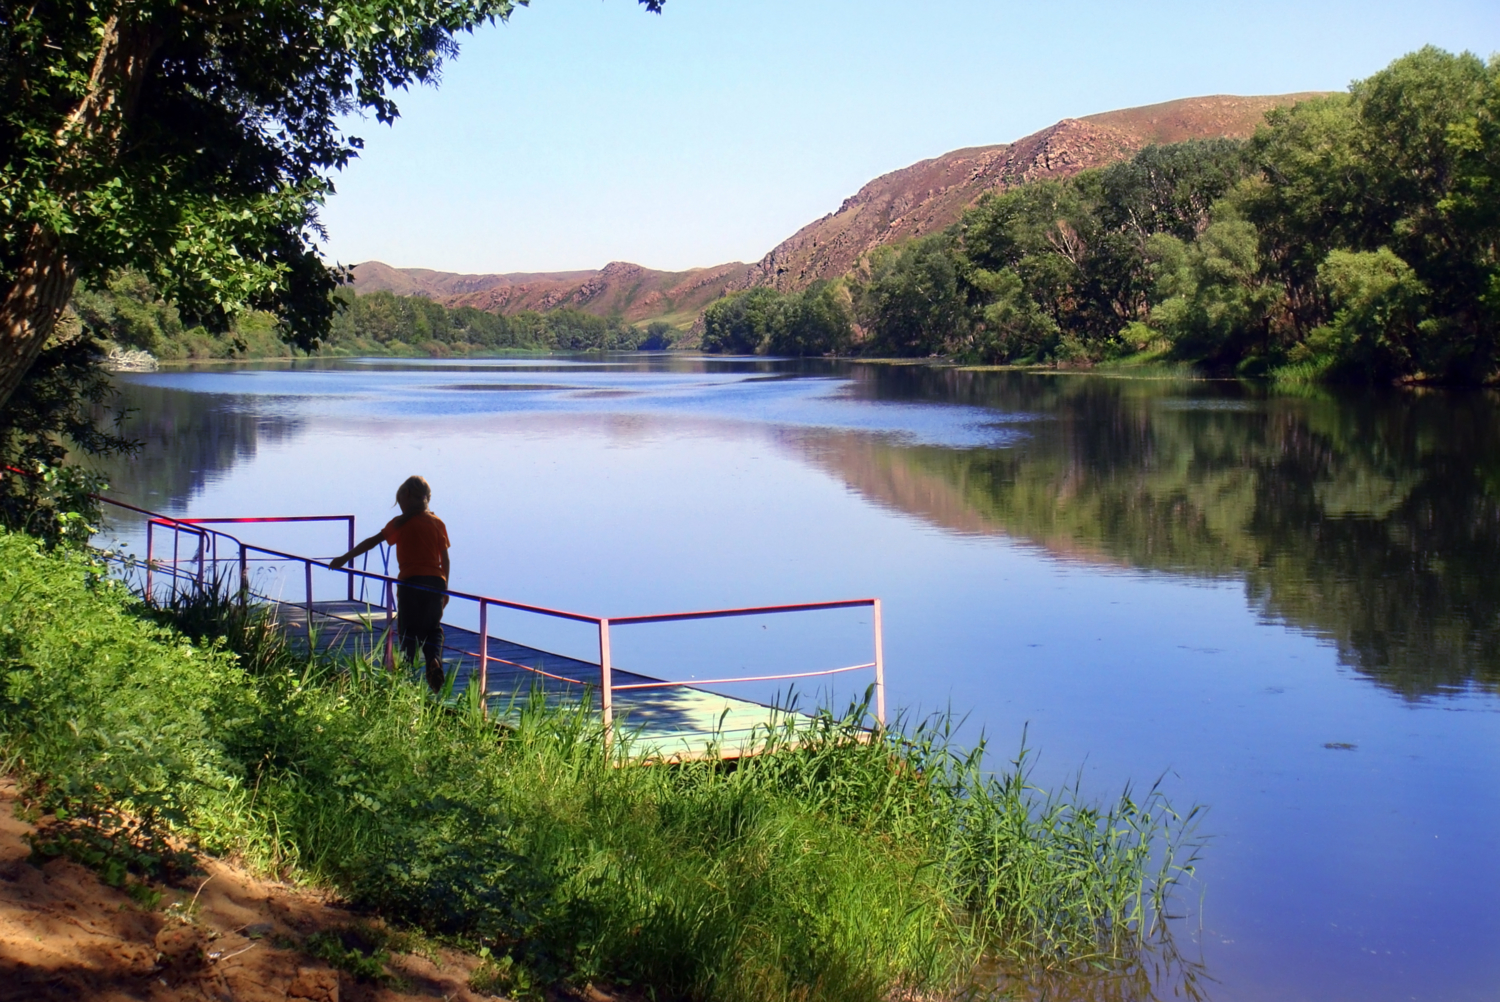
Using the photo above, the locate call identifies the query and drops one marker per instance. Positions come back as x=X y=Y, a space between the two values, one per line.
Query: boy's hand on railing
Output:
x=365 y=547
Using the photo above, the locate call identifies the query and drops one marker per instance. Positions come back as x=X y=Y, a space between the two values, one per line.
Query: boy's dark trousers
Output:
x=419 y=621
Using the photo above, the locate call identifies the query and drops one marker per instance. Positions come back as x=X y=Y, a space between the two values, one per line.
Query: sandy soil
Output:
x=65 y=935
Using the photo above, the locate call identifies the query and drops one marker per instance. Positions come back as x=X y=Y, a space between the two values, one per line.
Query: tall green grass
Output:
x=835 y=866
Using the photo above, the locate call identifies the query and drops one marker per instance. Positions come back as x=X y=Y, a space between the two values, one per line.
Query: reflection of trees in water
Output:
x=186 y=439
x=1372 y=520
x=1154 y=972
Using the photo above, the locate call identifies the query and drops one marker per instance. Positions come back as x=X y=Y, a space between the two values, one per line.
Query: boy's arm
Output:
x=364 y=547
x=447 y=566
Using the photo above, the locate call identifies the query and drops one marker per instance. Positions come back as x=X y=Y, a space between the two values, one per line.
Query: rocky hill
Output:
x=931 y=195
x=617 y=289
x=924 y=198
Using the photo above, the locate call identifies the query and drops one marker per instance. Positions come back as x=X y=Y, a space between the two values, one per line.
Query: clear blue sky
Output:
x=587 y=131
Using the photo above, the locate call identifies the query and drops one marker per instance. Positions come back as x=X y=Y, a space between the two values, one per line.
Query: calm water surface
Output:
x=1287 y=605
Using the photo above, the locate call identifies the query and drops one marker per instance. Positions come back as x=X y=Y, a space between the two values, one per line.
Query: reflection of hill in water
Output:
x=1371 y=521
x=186 y=440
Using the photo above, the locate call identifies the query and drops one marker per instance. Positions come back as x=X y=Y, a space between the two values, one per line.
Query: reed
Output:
x=836 y=865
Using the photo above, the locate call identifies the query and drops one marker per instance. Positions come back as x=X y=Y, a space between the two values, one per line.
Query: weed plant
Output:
x=363 y=951
x=836 y=865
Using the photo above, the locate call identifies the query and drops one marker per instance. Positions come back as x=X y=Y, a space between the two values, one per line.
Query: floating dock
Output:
x=676 y=723
x=656 y=719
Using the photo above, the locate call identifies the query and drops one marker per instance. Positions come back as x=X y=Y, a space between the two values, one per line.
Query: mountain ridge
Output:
x=912 y=201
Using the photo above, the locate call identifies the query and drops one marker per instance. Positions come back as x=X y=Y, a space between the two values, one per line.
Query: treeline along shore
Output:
x=127 y=313
x=1354 y=238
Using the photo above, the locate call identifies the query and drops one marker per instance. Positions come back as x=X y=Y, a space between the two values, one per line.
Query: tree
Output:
x=743 y=322
x=1418 y=117
x=1059 y=268
x=129 y=312
x=1355 y=236
x=192 y=140
x=1377 y=331
x=816 y=321
x=1406 y=162
x=913 y=303
x=1015 y=328
x=659 y=336
x=1215 y=303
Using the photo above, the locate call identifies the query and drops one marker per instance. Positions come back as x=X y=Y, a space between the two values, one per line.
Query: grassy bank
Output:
x=839 y=869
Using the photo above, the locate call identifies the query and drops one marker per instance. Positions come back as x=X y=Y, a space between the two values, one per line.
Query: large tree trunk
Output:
x=44 y=277
x=31 y=308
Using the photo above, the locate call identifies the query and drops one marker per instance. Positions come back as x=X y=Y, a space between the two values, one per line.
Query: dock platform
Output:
x=679 y=723
x=655 y=719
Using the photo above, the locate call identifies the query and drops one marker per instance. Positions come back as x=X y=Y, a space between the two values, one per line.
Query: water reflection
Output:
x=1166 y=530
x=1370 y=520
x=186 y=440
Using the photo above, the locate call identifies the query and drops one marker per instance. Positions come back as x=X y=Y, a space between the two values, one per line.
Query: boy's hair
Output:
x=415 y=486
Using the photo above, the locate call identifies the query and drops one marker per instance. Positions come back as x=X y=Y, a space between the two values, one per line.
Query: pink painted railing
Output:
x=206 y=541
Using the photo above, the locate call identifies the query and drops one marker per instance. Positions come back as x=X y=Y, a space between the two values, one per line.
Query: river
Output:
x=1286 y=606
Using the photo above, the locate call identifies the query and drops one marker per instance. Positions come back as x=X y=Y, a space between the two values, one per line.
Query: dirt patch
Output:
x=222 y=935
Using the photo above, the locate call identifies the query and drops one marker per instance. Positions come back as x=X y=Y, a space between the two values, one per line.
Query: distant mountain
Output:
x=617 y=289
x=375 y=275
x=924 y=198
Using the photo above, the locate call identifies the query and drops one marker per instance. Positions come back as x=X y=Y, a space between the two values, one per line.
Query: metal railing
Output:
x=204 y=562
x=208 y=541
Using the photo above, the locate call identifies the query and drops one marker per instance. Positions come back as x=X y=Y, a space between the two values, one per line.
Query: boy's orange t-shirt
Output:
x=420 y=542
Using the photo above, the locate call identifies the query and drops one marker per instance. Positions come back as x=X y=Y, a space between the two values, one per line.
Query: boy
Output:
x=421 y=542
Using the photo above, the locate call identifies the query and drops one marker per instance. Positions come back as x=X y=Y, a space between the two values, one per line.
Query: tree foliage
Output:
x=192 y=141
x=55 y=409
x=1355 y=236
x=913 y=302
x=764 y=321
x=129 y=313
x=383 y=321
x=172 y=155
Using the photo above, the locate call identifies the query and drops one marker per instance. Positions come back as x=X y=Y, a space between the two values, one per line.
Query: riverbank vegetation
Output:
x=837 y=868
x=127 y=313
x=767 y=322
x=1355 y=237
x=384 y=323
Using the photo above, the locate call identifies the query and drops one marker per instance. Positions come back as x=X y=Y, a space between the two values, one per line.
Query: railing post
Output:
x=176 y=556
x=484 y=653
x=307 y=567
x=390 y=626
x=879 y=667
x=244 y=578
x=202 y=545
x=606 y=684
x=150 y=554
x=351 y=563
